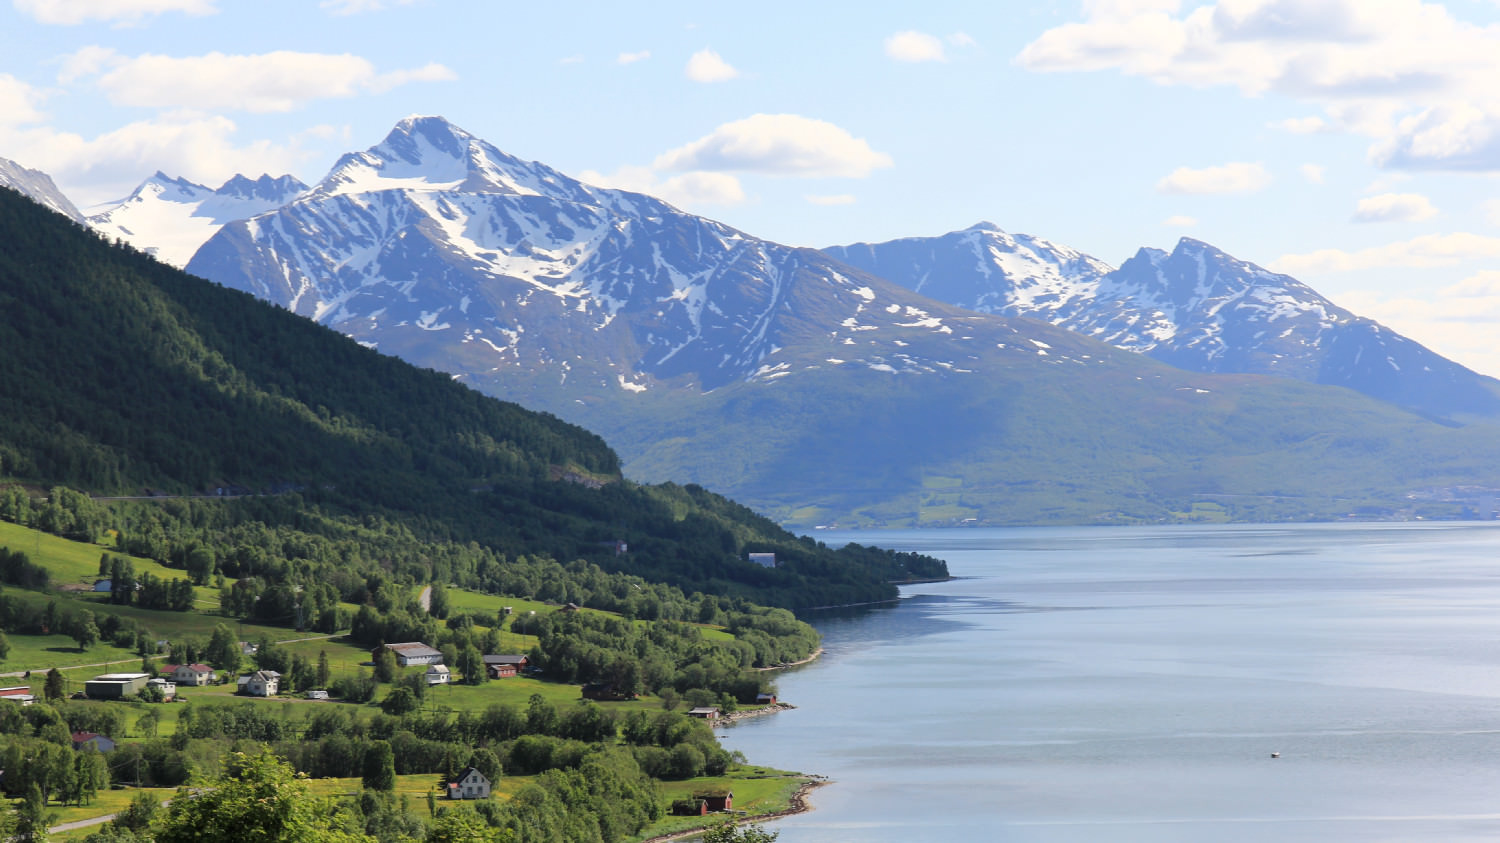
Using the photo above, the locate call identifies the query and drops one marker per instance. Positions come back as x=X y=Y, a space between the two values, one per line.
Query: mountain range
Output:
x=1196 y=308
x=833 y=386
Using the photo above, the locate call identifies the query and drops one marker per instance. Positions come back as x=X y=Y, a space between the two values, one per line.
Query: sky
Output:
x=1353 y=144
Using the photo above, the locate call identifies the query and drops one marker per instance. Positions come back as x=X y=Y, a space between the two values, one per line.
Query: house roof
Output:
x=504 y=659
x=437 y=668
x=413 y=648
x=262 y=675
x=198 y=668
x=464 y=773
x=80 y=737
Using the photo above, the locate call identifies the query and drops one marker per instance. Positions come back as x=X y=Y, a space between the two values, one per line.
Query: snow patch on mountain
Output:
x=171 y=218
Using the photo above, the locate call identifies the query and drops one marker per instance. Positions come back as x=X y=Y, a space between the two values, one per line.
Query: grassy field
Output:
x=758 y=791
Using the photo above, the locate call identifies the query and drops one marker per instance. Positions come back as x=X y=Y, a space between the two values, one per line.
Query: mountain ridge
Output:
x=1195 y=307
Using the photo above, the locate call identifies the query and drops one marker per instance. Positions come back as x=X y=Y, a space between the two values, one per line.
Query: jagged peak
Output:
x=265 y=187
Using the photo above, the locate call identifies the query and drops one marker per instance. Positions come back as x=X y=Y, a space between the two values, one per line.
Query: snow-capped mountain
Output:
x=1196 y=308
x=801 y=384
x=171 y=217
x=438 y=247
x=37 y=185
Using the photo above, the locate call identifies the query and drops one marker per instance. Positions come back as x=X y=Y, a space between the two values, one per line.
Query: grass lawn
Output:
x=73 y=562
x=757 y=790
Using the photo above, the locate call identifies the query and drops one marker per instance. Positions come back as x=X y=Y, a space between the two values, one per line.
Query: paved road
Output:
x=58 y=829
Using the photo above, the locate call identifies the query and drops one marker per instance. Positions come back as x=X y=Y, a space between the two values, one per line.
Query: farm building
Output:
x=168 y=689
x=705 y=712
x=19 y=694
x=504 y=666
x=412 y=652
x=114 y=686
x=438 y=674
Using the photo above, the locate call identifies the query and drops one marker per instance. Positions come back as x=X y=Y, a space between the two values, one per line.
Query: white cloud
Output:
x=1480 y=284
x=632 y=58
x=706 y=66
x=962 y=39
x=1492 y=211
x=87 y=61
x=835 y=199
x=1180 y=221
x=430 y=72
x=1312 y=172
x=694 y=188
x=199 y=148
x=913 y=46
x=778 y=144
x=1235 y=177
x=1394 y=207
x=573 y=59
x=269 y=82
x=72 y=12
x=18 y=102
x=1405 y=73
x=1302 y=125
x=1430 y=250
x=354 y=7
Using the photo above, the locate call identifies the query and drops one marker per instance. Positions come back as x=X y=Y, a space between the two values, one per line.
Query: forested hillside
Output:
x=122 y=376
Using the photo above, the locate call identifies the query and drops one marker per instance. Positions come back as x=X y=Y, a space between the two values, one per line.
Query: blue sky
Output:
x=1354 y=144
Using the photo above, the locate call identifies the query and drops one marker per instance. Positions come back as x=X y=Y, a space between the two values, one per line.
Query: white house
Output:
x=261 y=683
x=193 y=674
x=765 y=560
x=168 y=689
x=469 y=784
x=438 y=674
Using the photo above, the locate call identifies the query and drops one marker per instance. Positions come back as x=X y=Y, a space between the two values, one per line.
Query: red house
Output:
x=716 y=800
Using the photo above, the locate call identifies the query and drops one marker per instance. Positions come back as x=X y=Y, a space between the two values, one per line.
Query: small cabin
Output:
x=716 y=800
x=438 y=674
x=505 y=666
x=765 y=699
x=705 y=712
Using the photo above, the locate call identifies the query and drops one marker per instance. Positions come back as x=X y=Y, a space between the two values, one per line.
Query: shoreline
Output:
x=815 y=654
x=798 y=804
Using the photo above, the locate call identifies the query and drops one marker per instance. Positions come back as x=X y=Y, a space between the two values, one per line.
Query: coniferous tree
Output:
x=56 y=687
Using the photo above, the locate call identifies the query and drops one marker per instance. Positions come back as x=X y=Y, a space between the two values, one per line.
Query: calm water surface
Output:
x=1098 y=684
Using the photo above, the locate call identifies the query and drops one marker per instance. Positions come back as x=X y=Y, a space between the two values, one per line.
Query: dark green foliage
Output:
x=379 y=767
x=16 y=568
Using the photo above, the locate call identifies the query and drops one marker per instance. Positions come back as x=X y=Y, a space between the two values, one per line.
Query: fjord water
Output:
x=1130 y=684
